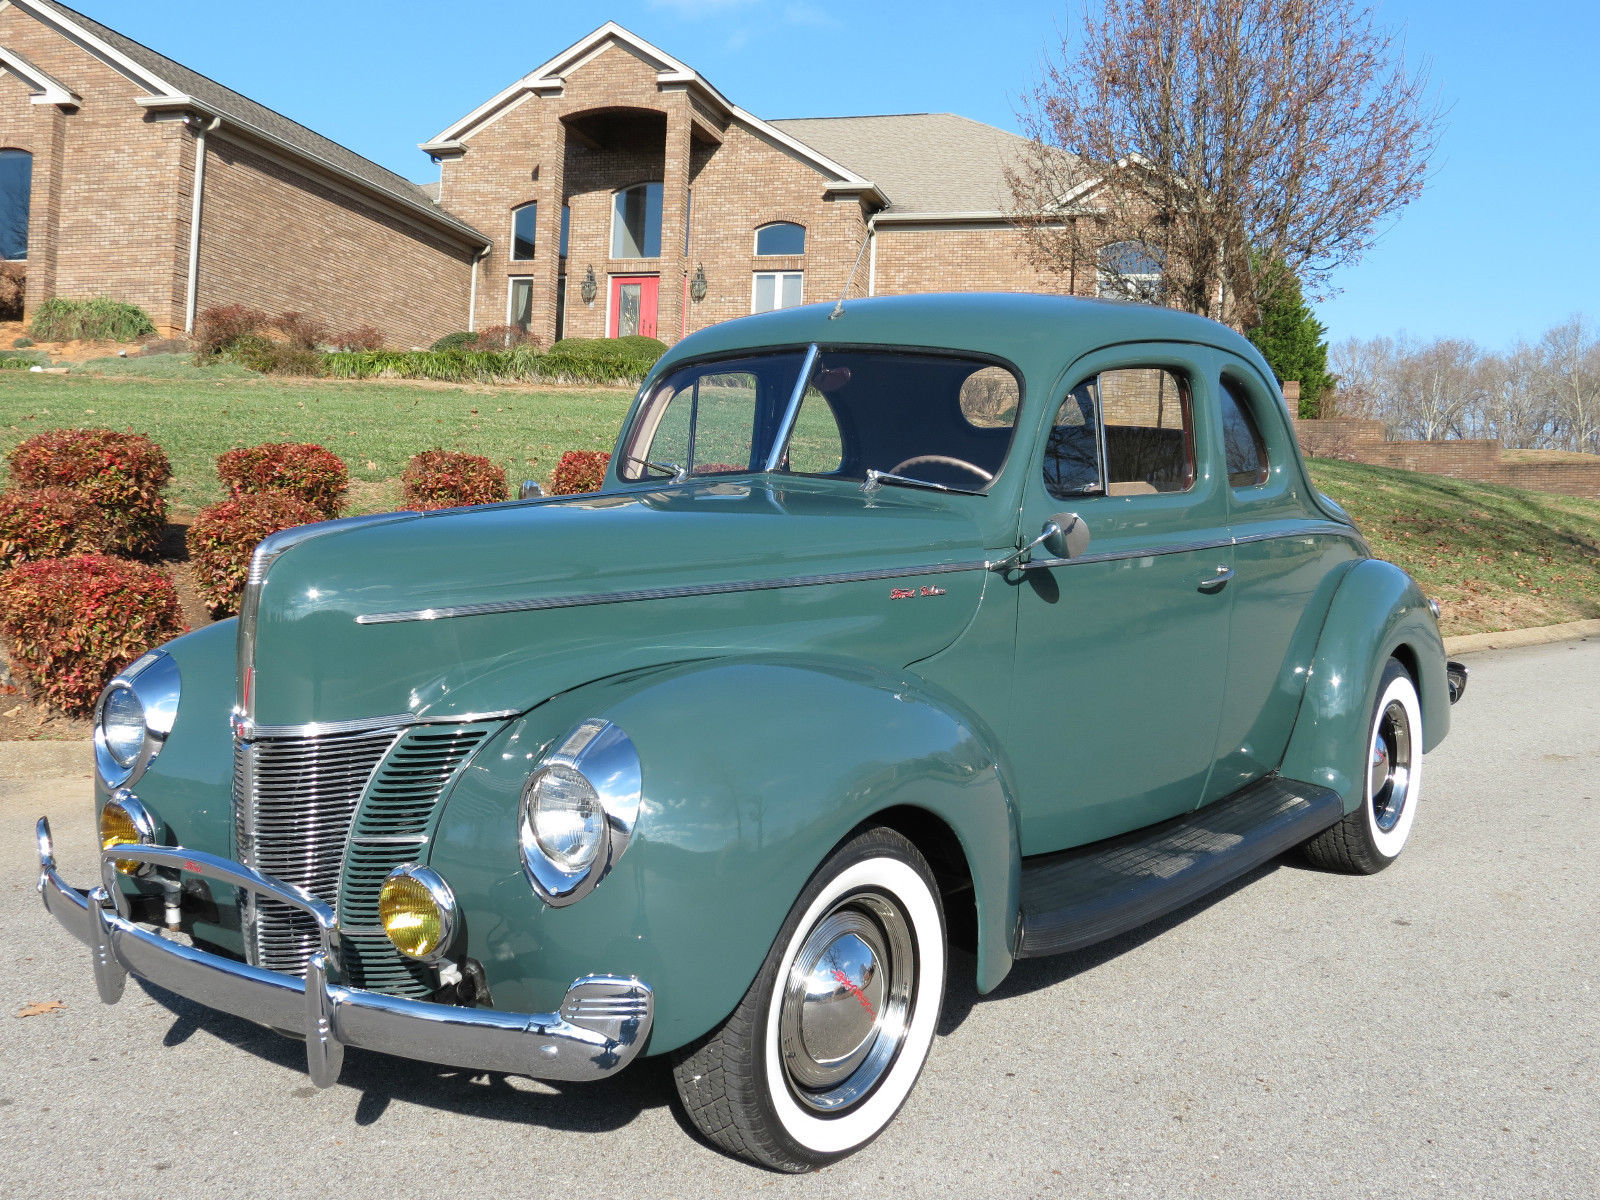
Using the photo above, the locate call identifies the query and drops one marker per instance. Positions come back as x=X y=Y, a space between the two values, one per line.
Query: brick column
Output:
x=44 y=204
x=552 y=192
x=675 y=216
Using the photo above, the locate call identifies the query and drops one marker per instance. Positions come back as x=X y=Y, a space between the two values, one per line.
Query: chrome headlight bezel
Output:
x=155 y=683
x=606 y=759
x=444 y=903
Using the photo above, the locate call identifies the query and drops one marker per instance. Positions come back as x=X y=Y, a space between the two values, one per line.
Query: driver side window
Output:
x=1126 y=432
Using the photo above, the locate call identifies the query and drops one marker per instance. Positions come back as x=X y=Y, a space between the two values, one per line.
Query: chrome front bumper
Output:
x=601 y=1025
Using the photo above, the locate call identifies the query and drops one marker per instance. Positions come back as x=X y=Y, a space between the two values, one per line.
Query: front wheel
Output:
x=827 y=1043
x=1370 y=838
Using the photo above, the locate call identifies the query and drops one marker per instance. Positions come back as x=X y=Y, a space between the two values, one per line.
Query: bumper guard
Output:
x=601 y=1025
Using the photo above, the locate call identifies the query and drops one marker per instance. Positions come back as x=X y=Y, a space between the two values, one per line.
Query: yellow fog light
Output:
x=124 y=821
x=418 y=912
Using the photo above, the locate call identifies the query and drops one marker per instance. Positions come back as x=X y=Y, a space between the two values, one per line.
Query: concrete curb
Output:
x=1470 y=643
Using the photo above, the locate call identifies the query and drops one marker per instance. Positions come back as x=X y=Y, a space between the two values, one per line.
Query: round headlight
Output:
x=417 y=911
x=124 y=822
x=122 y=726
x=565 y=818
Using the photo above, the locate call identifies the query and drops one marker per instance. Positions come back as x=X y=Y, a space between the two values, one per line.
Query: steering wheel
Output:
x=942 y=460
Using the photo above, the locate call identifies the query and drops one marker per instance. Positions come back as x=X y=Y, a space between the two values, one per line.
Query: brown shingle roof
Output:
x=230 y=105
x=923 y=162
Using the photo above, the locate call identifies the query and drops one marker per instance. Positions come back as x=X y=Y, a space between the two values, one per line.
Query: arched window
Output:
x=16 y=193
x=524 y=220
x=1129 y=271
x=636 y=222
x=781 y=237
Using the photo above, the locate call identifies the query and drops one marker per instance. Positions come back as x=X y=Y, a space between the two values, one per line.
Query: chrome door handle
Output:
x=1212 y=582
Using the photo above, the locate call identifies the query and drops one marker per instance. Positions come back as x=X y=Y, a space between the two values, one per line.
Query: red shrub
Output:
x=362 y=337
x=122 y=474
x=579 y=471
x=70 y=624
x=40 y=523
x=504 y=337
x=302 y=332
x=444 y=479
x=315 y=475
x=219 y=327
x=224 y=536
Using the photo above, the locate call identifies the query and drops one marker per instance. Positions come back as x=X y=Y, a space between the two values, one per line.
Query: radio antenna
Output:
x=872 y=226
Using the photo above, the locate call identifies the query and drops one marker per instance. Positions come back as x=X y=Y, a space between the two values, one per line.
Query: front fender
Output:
x=752 y=772
x=1377 y=613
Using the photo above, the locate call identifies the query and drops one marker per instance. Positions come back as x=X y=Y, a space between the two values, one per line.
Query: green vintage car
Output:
x=999 y=622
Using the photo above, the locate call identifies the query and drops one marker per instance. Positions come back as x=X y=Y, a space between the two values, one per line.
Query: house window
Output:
x=566 y=226
x=777 y=289
x=781 y=237
x=521 y=308
x=524 y=221
x=636 y=222
x=1129 y=271
x=16 y=190
x=561 y=307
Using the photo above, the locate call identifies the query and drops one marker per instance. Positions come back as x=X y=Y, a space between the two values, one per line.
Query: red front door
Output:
x=633 y=305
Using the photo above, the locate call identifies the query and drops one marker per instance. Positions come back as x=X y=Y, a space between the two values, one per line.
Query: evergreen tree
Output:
x=1292 y=340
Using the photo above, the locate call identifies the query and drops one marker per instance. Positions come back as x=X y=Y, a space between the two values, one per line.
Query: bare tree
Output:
x=1179 y=145
x=1566 y=367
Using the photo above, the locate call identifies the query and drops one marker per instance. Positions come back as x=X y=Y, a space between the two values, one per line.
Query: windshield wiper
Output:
x=876 y=479
x=677 y=473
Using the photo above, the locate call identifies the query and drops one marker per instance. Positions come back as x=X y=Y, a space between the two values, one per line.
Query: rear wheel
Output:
x=1370 y=838
x=827 y=1043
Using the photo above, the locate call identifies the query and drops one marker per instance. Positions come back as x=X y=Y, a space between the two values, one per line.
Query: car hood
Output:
x=497 y=608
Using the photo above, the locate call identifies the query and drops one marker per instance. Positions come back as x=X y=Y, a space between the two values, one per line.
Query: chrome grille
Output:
x=392 y=827
x=294 y=795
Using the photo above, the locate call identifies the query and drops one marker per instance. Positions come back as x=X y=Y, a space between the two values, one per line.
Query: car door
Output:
x=1121 y=652
x=1286 y=560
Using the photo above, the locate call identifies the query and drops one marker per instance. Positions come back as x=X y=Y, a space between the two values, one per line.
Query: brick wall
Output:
x=941 y=258
x=1478 y=460
x=278 y=239
x=108 y=209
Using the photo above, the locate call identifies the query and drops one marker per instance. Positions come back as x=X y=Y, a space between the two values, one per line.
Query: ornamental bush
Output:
x=224 y=536
x=302 y=332
x=461 y=339
x=221 y=327
x=70 y=624
x=100 y=317
x=40 y=523
x=123 y=475
x=444 y=479
x=362 y=337
x=305 y=470
x=579 y=471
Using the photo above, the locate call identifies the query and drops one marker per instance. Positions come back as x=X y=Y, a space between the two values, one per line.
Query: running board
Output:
x=1079 y=897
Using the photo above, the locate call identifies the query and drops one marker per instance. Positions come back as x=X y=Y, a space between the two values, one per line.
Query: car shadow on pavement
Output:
x=1033 y=974
x=381 y=1079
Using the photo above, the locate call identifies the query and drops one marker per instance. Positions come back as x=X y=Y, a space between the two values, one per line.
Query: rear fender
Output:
x=1377 y=613
x=753 y=771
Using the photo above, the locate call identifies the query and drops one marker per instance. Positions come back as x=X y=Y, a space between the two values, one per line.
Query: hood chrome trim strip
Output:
x=538 y=603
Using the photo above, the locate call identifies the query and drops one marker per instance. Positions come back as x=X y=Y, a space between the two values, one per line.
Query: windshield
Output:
x=935 y=419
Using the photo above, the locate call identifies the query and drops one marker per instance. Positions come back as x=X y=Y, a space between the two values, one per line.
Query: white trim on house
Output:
x=64 y=24
x=548 y=78
x=46 y=89
x=777 y=289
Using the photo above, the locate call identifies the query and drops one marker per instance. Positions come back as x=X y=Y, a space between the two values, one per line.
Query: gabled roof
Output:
x=173 y=85
x=46 y=89
x=927 y=164
x=549 y=77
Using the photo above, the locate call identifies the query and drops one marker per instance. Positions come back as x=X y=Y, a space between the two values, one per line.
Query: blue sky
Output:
x=1503 y=244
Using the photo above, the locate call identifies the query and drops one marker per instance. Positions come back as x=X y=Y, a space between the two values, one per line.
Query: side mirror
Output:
x=529 y=490
x=1065 y=536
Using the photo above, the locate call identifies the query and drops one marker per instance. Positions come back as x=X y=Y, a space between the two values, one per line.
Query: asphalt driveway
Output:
x=1431 y=1031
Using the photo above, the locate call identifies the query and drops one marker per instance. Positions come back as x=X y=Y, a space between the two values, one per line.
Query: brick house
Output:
x=126 y=174
x=611 y=190
x=624 y=193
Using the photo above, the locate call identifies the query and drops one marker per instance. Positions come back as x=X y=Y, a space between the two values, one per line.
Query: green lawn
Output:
x=375 y=427
x=1496 y=558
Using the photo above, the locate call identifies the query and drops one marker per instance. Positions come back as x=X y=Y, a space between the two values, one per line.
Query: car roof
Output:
x=1033 y=331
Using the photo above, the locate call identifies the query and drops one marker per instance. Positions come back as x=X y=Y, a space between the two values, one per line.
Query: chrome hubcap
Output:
x=1390 y=782
x=846 y=1002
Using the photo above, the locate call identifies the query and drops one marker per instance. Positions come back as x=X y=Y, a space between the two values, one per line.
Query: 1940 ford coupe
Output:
x=1007 y=622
